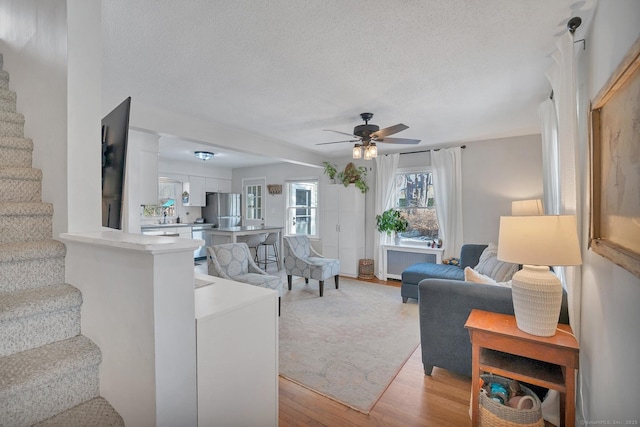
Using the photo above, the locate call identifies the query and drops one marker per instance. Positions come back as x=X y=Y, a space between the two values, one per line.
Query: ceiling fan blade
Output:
x=389 y=131
x=399 y=141
x=338 y=142
x=337 y=131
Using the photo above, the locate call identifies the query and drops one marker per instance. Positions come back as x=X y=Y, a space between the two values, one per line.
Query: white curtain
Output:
x=550 y=172
x=447 y=183
x=565 y=163
x=386 y=167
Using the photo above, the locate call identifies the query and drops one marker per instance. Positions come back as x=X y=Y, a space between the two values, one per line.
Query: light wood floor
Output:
x=412 y=399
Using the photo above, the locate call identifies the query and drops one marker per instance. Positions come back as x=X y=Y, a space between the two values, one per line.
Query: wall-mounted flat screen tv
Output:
x=115 y=132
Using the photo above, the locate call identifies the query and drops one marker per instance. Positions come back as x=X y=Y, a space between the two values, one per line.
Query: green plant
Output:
x=354 y=175
x=185 y=194
x=391 y=221
x=330 y=169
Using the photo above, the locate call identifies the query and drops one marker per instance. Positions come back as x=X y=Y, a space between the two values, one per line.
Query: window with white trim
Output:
x=415 y=200
x=302 y=207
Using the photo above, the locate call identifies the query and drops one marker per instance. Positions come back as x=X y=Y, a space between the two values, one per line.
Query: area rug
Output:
x=348 y=345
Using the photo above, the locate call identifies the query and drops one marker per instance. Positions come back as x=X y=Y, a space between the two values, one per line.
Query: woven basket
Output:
x=494 y=414
x=365 y=270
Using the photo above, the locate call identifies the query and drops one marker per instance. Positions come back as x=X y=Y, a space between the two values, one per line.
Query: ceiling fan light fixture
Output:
x=357 y=151
x=367 y=153
x=373 y=150
x=204 y=155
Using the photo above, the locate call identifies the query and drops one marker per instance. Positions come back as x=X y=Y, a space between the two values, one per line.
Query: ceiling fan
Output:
x=367 y=135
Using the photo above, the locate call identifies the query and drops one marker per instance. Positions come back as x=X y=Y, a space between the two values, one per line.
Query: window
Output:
x=254 y=202
x=167 y=195
x=415 y=199
x=302 y=207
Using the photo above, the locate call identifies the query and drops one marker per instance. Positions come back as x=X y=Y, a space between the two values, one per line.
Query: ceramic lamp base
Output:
x=537 y=298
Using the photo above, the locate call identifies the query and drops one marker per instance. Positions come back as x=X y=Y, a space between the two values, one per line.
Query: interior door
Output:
x=253 y=198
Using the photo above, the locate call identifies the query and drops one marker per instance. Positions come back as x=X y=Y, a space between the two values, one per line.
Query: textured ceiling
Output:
x=452 y=70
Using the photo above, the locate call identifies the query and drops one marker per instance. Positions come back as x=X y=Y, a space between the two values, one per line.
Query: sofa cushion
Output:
x=417 y=272
x=489 y=265
x=470 y=275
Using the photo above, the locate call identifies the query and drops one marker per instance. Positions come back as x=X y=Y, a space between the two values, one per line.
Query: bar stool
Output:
x=271 y=240
x=253 y=241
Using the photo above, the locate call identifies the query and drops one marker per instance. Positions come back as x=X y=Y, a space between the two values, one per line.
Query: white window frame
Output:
x=316 y=208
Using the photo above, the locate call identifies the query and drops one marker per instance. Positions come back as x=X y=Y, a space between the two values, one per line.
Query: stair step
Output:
x=35 y=317
x=8 y=100
x=4 y=79
x=15 y=152
x=28 y=265
x=97 y=412
x=20 y=184
x=39 y=383
x=1 y=62
x=25 y=222
x=11 y=124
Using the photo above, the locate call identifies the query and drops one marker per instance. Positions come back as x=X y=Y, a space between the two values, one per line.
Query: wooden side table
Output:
x=499 y=347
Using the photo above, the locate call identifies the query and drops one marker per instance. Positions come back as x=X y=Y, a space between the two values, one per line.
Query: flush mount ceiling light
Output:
x=204 y=155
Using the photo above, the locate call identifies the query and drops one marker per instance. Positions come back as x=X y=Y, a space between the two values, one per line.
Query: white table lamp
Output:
x=538 y=242
x=527 y=207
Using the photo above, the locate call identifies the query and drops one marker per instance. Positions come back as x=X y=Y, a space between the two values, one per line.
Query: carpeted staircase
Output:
x=48 y=371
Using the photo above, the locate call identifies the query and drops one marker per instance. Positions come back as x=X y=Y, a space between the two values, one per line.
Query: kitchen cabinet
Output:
x=196 y=189
x=217 y=185
x=343 y=235
x=237 y=353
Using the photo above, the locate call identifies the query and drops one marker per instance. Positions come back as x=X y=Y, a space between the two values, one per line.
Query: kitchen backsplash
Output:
x=187 y=214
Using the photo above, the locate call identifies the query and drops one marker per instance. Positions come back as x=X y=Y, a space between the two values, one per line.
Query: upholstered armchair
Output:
x=301 y=260
x=233 y=261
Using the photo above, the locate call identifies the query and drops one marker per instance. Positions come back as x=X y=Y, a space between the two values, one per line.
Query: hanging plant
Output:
x=354 y=175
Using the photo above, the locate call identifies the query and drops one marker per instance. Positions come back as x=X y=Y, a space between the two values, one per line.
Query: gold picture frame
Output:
x=615 y=166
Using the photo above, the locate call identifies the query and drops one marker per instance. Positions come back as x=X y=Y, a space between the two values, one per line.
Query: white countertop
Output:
x=224 y=295
x=134 y=242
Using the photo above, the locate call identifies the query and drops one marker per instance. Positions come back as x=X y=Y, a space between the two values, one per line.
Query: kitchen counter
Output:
x=230 y=234
x=148 y=226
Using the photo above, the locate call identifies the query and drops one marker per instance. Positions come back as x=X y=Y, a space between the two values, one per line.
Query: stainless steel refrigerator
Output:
x=223 y=210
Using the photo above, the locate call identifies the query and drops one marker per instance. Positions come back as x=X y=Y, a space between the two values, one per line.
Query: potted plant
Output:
x=330 y=170
x=391 y=221
x=185 y=197
x=354 y=175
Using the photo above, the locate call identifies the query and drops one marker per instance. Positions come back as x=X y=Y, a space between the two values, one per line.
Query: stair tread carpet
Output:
x=4 y=79
x=30 y=302
x=95 y=412
x=18 y=173
x=16 y=143
x=8 y=94
x=26 y=208
x=10 y=117
x=41 y=365
x=23 y=251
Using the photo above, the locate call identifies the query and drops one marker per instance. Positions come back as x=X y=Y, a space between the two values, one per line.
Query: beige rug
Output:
x=348 y=345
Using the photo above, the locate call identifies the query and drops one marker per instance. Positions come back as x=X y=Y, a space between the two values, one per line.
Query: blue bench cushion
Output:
x=417 y=272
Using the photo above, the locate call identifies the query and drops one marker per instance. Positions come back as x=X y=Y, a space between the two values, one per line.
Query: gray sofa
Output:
x=445 y=304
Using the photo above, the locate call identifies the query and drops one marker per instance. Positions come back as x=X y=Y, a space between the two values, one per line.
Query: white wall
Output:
x=609 y=338
x=495 y=173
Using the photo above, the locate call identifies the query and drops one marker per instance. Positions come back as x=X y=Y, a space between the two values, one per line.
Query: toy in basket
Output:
x=507 y=403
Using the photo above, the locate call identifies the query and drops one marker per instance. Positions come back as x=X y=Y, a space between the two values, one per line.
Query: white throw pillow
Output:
x=470 y=275
x=489 y=265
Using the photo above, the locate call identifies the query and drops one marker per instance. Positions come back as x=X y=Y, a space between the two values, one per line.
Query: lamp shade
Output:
x=549 y=240
x=527 y=207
